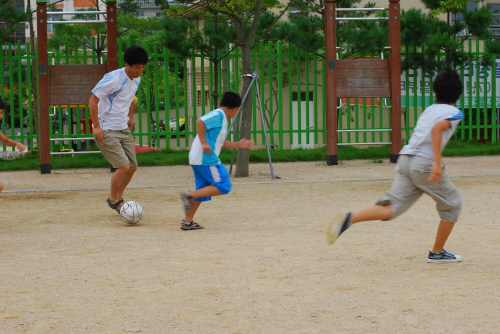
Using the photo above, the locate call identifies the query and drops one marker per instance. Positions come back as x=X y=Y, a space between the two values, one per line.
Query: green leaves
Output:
x=442 y=42
x=12 y=17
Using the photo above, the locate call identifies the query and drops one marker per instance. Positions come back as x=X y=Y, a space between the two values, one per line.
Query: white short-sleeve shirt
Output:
x=421 y=140
x=216 y=125
x=116 y=92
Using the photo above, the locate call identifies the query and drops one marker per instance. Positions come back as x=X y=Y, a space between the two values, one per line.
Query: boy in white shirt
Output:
x=4 y=139
x=211 y=176
x=111 y=111
x=420 y=171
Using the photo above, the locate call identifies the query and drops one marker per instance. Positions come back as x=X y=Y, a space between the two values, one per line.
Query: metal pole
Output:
x=235 y=119
x=254 y=80
x=264 y=129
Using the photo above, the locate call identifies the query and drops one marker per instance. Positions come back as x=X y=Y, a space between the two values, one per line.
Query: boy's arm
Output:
x=130 y=122
x=10 y=142
x=201 y=130
x=437 y=137
x=244 y=143
x=94 y=115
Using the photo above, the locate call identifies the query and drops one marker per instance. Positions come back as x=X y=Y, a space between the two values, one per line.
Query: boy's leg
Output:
x=210 y=181
x=342 y=222
x=119 y=181
x=205 y=192
x=403 y=194
x=443 y=232
x=127 y=142
x=438 y=254
x=374 y=212
x=189 y=216
x=118 y=148
x=208 y=191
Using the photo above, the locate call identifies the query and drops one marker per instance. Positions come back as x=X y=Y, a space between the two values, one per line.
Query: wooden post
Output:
x=43 y=87
x=329 y=17
x=395 y=73
x=112 y=36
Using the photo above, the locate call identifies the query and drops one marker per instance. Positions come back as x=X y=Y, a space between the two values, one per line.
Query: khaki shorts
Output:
x=118 y=147
x=411 y=182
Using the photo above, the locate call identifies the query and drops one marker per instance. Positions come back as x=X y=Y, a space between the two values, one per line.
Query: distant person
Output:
x=111 y=110
x=420 y=171
x=210 y=175
x=4 y=139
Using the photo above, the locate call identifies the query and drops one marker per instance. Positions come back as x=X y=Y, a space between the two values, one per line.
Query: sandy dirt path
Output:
x=69 y=264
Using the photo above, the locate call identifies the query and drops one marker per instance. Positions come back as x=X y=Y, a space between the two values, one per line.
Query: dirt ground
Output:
x=69 y=264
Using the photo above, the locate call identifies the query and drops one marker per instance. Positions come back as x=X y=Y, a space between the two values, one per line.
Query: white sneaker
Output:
x=339 y=224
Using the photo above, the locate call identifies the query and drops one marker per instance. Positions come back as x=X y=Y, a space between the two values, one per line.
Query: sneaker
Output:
x=443 y=257
x=339 y=224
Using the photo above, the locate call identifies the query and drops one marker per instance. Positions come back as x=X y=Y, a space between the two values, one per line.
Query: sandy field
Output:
x=69 y=264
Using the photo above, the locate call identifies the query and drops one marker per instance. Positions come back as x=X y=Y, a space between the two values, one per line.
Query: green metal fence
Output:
x=175 y=91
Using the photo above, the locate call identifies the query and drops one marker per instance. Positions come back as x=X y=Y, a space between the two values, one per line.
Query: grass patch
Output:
x=375 y=154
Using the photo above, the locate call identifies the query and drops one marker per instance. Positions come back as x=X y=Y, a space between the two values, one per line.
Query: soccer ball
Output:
x=131 y=212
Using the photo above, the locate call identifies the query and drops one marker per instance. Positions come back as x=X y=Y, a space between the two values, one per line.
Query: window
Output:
x=140 y=13
x=50 y=27
x=495 y=22
x=459 y=17
x=199 y=101
x=295 y=13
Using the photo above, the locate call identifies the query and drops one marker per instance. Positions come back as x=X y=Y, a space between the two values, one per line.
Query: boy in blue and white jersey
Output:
x=211 y=176
x=420 y=171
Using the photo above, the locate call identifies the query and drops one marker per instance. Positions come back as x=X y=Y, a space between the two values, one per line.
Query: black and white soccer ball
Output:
x=131 y=212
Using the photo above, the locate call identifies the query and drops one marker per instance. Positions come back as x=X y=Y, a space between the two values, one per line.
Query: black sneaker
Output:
x=339 y=224
x=443 y=257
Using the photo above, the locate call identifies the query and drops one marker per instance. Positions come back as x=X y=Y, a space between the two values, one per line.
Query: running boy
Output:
x=112 y=113
x=4 y=139
x=211 y=176
x=420 y=171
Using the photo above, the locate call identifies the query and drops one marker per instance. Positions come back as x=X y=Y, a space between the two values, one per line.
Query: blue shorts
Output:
x=205 y=176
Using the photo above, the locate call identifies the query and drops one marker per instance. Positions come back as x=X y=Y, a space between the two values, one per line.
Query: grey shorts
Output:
x=118 y=147
x=411 y=182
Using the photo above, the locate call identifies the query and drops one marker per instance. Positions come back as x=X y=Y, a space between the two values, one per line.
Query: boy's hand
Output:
x=98 y=134
x=20 y=147
x=206 y=148
x=436 y=173
x=245 y=143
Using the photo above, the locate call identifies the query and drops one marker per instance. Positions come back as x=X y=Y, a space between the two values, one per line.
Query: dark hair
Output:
x=135 y=55
x=230 y=100
x=2 y=104
x=447 y=86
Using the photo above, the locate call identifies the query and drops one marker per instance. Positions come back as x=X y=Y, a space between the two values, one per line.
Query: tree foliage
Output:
x=12 y=18
x=433 y=43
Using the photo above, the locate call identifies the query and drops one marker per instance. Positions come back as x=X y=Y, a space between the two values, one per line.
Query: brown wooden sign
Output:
x=73 y=84
x=363 y=78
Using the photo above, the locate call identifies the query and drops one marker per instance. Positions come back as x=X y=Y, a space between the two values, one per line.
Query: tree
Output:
x=354 y=37
x=244 y=16
x=426 y=37
x=11 y=18
x=182 y=37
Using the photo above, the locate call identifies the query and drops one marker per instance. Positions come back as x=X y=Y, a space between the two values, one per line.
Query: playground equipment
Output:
x=68 y=84
x=359 y=78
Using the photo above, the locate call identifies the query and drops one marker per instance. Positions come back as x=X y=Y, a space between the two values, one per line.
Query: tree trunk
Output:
x=243 y=159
